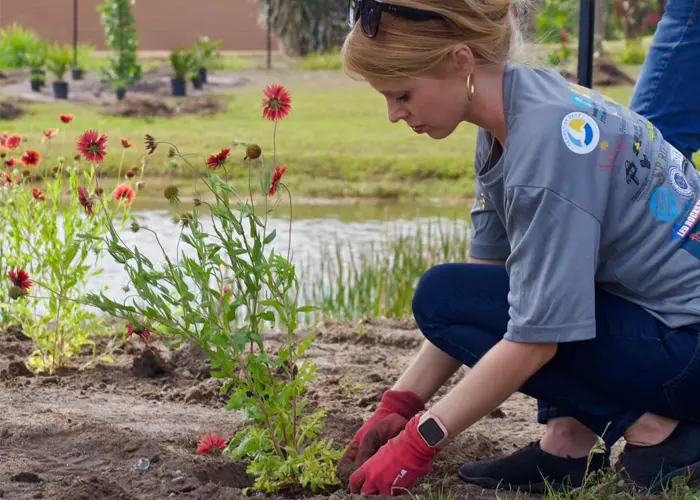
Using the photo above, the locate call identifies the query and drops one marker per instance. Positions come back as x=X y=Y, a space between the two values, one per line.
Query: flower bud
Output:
x=77 y=157
x=16 y=292
x=173 y=164
x=253 y=151
x=135 y=227
x=171 y=152
x=99 y=190
x=140 y=185
x=55 y=169
x=2 y=154
x=170 y=193
x=197 y=202
x=26 y=172
x=130 y=174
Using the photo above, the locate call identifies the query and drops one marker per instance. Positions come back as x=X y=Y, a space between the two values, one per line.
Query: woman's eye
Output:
x=403 y=98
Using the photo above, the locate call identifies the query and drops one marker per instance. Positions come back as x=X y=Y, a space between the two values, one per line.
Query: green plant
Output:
x=555 y=15
x=222 y=285
x=121 y=67
x=40 y=236
x=85 y=51
x=633 y=53
x=322 y=61
x=182 y=61
x=17 y=46
x=379 y=280
x=206 y=51
x=38 y=56
x=59 y=60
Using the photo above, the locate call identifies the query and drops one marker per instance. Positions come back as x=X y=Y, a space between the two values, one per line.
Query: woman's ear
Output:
x=463 y=60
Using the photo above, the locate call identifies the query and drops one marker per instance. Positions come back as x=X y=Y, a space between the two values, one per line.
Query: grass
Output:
x=369 y=281
x=337 y=142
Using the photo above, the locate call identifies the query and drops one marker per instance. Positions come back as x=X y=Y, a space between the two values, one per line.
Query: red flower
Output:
x=211 y=444
x=31 y=158
x=20 y=279
x=66 y=118
x=5 y=179
x=125 y=143
x=92 y=146
x=38 y=194
x=13 y=142
x=49 y=134
x=277 y=102
x=151 y=144
x=144 y=333
x=10 y=163
x=219 y=159
x=276 y=177
x=124 y=192
x=85 y=200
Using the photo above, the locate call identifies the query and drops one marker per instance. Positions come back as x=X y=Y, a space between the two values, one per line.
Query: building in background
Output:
x=163 y=25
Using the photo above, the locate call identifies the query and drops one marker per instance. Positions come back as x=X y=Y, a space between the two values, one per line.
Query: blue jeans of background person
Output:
x=634 y=364
x=667 y=92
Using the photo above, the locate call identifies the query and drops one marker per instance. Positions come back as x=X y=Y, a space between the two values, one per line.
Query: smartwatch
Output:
x=432 y=430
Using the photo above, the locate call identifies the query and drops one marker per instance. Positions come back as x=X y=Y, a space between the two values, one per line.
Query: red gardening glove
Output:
x=396 y=466
x=400 y=406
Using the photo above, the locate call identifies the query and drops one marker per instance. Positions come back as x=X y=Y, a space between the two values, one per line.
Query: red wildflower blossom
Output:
x=92 y=146
x=219 y=159
x=277 y=102
x=124 y=192
x=85 y=200
x=38 y=194
x=276 y=177
x=151 y=144
x=211 y=444
x=49 y=134
x=144 y=333
x=5 y=179
x=31 y=158
x=66 y=118
x=10 y=163
x=13 y=142
x=126 y=143
x=20 y=279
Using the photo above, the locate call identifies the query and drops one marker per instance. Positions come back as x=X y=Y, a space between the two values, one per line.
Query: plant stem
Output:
x=121 y=162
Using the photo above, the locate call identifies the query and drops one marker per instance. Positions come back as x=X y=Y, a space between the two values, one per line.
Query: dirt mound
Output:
x=605 y=73
x=10 y=110
x=145 y=106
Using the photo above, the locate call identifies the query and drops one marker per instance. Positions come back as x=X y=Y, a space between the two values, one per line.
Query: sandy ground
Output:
x=78 y=434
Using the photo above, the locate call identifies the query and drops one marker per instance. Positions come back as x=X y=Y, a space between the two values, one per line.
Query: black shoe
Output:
x=653 y=467
x=527 y=468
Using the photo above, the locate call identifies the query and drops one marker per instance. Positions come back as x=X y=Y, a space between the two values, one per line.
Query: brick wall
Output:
x=162 y=24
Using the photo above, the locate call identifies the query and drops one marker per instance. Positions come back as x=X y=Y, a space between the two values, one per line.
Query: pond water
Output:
x=317 y=230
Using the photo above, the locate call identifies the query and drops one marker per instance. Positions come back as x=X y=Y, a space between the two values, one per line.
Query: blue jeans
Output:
x=667 y=92
x=634 y=365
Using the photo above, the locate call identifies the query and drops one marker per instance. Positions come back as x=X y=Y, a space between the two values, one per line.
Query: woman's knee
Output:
x=427 y=297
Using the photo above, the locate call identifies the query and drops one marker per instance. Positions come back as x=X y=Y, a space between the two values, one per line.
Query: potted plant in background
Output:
x=121 y=66
x=85 y=51
x=59 y=59
x=36 y=59
x=182 y=62
x=206 y=50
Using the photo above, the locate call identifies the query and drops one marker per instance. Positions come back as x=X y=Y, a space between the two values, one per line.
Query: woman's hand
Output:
x=394 y=411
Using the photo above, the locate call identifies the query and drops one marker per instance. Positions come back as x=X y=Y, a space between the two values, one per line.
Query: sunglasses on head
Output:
x=369 y=12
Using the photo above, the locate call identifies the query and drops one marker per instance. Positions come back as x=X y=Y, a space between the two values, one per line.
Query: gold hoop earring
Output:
x=470 y=87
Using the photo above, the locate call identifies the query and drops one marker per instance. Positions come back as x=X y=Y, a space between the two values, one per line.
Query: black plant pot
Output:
x=203 y=75
x=179 y=87
x=196 y=82
x=37 y=78
x=120 y=94
x=36 y=85
x=60 y=90
x=77 y=74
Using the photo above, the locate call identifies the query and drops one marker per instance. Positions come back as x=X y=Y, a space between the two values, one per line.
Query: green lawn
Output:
x=337 y=142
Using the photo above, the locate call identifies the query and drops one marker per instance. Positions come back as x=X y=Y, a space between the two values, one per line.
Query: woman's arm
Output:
x=500 y=373
x=432 y=367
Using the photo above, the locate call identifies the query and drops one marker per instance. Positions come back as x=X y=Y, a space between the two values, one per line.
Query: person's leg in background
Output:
x=667 y=92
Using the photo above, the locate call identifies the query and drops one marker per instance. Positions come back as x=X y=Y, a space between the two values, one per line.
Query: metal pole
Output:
x=269 y=34
x=586 y=34
x=75 y=33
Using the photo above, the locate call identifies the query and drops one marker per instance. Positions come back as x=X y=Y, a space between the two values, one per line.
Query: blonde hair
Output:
x=406 y=48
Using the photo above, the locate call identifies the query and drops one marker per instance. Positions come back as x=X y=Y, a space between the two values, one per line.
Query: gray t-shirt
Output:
x=585 y=193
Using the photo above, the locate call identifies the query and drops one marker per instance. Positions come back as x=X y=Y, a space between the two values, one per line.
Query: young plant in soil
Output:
x=44 y=209
x=219 y=289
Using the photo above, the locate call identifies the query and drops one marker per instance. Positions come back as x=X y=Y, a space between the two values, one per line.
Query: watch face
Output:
x=431 y=432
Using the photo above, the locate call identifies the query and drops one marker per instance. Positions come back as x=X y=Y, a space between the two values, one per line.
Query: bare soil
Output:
x=80 y=433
